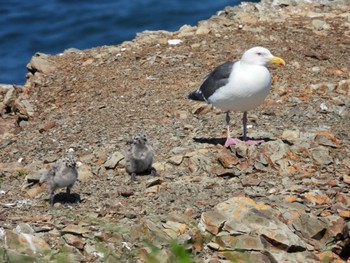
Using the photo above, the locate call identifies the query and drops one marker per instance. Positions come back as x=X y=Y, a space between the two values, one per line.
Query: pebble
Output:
x=74 y=240
x=346 y=178
x=203 y=29
x=10 y=96
x=85 y=173
x=74 y=229
x=320 y=24
x=113 y=160
x=176 y=160
x=174 y=41
x=41 y=63
x=47 y=126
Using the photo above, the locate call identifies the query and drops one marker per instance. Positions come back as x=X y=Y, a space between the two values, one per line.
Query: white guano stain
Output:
x=30 y=242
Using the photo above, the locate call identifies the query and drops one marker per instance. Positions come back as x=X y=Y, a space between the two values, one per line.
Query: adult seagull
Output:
x=239 y=86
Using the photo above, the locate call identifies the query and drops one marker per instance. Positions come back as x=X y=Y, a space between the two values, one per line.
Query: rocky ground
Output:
x=286 y=200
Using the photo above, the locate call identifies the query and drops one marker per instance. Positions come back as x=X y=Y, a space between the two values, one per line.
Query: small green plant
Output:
x=152 y=256
x=108 y=254
x=62 y=255
x=326 y=259
x=22 y=173
x=177 y=254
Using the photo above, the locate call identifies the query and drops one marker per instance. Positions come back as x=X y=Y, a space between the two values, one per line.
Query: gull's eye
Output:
x=259 y=53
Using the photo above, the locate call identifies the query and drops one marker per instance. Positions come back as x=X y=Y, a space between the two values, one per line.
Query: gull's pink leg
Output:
x=253 y=142
x=230 y=140
x=248 y=142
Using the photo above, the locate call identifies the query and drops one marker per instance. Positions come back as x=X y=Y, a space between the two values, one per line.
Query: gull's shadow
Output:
x=222 y=141
x=153 y=172
x=213 y=141
x=66 y=198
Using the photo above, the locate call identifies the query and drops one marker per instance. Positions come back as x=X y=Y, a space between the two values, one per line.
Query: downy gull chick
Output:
x=139 y=157
x=63 y=173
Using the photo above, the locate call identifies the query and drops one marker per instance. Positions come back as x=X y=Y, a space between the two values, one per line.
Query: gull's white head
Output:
x=261 y=56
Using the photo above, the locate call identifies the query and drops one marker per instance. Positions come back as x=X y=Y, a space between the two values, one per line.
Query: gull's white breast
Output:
x=247 y=88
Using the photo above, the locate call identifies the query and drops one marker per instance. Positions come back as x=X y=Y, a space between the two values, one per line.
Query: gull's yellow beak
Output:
x=278 y=61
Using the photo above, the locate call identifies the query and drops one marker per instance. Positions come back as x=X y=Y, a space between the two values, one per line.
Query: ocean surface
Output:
x=51 y=26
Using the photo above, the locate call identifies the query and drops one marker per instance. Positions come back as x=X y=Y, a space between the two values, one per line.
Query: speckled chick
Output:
x=62 y=174
x=139 y=157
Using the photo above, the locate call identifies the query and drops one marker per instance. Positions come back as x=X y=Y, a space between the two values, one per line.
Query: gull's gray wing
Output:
x=216 y=79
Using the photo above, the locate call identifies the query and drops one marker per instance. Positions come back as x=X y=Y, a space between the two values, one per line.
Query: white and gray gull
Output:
x=62 y=174
x=239 y=86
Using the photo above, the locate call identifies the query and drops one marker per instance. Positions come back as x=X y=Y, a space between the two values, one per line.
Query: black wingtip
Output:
x=196 y=95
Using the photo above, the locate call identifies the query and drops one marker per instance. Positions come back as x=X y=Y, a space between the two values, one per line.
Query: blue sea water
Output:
x=51 y=26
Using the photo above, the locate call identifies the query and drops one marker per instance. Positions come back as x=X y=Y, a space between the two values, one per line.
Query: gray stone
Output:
x=42 y=63
x=321 y=155
x=274 y=150
x=24 y=228
x=310 y=226
x=84 y=173
x=176 y=160
x=250 y=181
x=12 y=255
x=337 y=227
x=320 y=24
x=343 y=86
x=239 y=243
x=154 y=181
x=178 y=150
x=47 y=126
x=241 y=150
x=90 y=249
x=26 y=244
x=4 y=88
x=186 y=30
x=203 y=28
x=305 y=256
x=327 y=139
x=243 y=215
x=34 y=175
x=113 y=161
x=75 y=229
x=23 y=107
x=213 y=221
x=290 y=134
x=10 y=97
x=88 y=158
x=70 y=254
x=155 y=189
x=261 y=162
x=227 y=159
x=74 y=241
x=173 y=229
x=261 y=257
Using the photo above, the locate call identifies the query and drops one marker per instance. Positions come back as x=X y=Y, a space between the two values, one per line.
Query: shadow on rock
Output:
x=66 y=198
x=222 y=141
